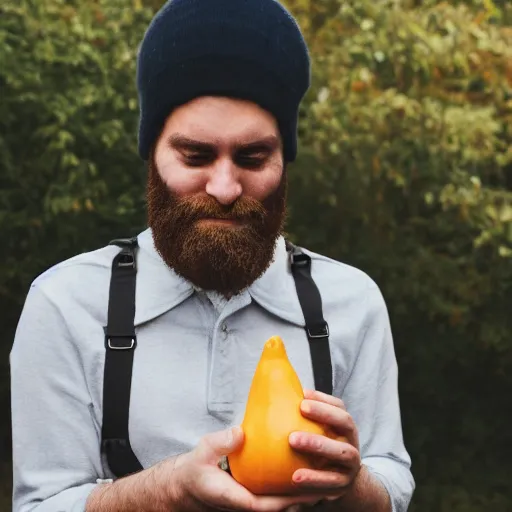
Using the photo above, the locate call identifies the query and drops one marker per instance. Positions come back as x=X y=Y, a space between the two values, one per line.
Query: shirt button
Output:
x=224 y=331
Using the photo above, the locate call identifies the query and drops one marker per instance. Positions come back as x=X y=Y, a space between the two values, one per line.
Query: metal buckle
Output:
x=299 y=259
x=111 y=347
x=325 y=334
x=126 y=259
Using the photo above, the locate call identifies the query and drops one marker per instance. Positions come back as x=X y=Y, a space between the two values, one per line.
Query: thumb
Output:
x=213 y=446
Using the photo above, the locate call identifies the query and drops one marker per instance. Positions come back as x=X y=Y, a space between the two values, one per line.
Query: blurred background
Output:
x=404 y=170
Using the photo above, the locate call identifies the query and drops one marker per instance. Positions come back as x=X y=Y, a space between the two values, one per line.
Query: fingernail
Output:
x=305 y=407
x=294 y=437
x=237 y=433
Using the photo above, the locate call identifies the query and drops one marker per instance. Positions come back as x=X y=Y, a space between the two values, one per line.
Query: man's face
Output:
x=217 y=192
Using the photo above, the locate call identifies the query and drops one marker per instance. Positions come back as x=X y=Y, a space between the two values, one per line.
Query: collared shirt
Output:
x=217 y=299
x=193 y=367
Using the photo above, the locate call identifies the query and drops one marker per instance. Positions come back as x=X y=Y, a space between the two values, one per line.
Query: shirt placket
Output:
x=222 y=382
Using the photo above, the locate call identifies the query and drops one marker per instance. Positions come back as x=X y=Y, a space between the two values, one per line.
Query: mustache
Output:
x=246 y=209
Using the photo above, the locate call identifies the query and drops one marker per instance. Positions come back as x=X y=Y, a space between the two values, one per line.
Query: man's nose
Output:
x=224 y=183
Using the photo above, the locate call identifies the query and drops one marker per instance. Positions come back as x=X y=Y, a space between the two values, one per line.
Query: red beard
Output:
x=223 y=259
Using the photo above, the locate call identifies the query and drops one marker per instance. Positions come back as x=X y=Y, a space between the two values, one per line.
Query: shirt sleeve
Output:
x=371 y=396
x=56 y=455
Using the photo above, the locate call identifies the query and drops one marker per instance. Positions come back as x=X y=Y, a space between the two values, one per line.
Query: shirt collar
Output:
x=160 y=289
x=275 y=289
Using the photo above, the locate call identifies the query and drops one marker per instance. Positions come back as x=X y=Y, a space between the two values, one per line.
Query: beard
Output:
x=215 y=257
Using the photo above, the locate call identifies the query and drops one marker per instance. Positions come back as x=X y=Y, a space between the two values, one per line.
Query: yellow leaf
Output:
x=491 y=212
x=506 y=213
x=505 y=252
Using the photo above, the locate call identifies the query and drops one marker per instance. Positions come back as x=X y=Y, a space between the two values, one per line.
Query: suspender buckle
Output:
x=126 y=259
x=318 y=331
x=299 y=259
x=130 y=345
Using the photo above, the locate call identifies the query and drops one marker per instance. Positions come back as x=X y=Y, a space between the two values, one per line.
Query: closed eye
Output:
x=253 y=156
x=250 y=161
x=197 y=159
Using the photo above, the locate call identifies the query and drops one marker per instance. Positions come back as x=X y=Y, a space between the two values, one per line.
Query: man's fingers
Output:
x=343 y=454
x=339 y=420
x=226 y=494
x=328 y=482
x=313 y=394
x=277 y=503
x=219 y=490
x=213 y=446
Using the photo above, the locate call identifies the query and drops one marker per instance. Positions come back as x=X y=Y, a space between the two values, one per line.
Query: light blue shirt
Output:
x=192 y=370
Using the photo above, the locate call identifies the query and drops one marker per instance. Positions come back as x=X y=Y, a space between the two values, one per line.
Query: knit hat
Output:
x=246 y=49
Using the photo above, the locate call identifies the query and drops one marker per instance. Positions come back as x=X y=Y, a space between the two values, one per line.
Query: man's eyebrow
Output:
x=179 y=141
x=268 y=143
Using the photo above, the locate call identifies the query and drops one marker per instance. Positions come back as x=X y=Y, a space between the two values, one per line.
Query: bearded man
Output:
x=132 y=364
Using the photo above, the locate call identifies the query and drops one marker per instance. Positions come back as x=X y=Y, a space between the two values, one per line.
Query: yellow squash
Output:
x=266 y=462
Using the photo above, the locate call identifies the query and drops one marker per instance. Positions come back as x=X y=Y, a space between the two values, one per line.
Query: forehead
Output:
x=213 y=118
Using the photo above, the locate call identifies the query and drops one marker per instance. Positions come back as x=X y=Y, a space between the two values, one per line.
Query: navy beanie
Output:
x=246 y=49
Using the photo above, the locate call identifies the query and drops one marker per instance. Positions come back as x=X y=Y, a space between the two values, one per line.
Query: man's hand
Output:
x=343 y=483
x=340 y=457
x=201 y=485
x=192 y=482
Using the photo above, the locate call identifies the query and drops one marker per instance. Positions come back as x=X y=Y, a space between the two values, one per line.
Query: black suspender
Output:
x=120 y=344
x=317 y=329
x=121 y=341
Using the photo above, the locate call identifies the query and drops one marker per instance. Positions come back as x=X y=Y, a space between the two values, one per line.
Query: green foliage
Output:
x=68 y=121
x=405 y=170
x=408 y=128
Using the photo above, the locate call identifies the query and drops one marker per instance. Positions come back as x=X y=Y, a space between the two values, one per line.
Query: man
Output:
x=220 y=83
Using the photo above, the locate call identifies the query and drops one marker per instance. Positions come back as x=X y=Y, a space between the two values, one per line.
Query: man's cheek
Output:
x=182 y=182
x=263 y=187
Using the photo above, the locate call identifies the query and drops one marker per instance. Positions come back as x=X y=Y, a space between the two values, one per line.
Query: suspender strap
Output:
x=317 y=329
x=120 y=344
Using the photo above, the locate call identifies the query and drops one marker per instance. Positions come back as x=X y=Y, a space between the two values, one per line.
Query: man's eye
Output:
x=197 y=160
x=250 y=161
